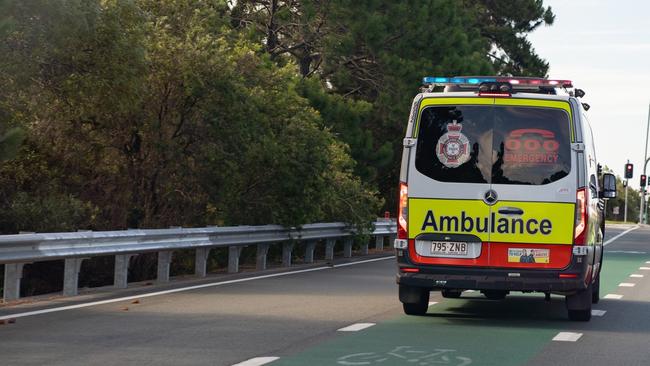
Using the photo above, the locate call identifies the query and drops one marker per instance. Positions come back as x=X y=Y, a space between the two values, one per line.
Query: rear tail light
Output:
x=402 y=215
x=580 y=235
x=409 y=270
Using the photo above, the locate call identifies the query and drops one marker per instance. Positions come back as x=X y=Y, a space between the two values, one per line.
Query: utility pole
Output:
x=625 y=207
x=645 y=163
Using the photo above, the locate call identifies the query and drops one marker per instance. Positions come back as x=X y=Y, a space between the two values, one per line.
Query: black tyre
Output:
x=415 y=308
x=595 y=294
x=451 y=294
x=415 y=300
x=580 y=315
x=495 y=294
x=579 y=305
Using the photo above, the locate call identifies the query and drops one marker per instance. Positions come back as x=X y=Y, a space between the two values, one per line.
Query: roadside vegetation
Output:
x=156 y=113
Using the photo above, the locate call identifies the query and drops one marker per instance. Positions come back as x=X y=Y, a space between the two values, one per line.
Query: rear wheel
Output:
x=495 y=294
x=595 y=294
x=451 y=294
x=415 y=300
x=579 y=305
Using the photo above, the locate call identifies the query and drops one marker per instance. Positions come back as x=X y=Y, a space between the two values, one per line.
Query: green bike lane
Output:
x=469 y=330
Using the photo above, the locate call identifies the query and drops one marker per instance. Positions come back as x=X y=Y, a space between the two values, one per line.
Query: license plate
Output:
x=449 y=248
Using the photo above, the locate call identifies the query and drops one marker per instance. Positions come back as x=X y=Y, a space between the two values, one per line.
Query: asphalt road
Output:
x=296 y=316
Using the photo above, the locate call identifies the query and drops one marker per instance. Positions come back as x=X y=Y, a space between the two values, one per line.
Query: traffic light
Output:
x=629 y=170
x=643 y=180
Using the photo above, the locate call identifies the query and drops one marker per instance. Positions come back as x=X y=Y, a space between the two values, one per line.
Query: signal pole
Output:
x=625 y=207
x=645 y=163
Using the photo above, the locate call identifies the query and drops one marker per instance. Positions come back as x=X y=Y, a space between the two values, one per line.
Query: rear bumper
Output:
x=440 y=277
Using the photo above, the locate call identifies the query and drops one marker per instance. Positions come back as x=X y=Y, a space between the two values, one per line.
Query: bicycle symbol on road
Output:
x=406 y=354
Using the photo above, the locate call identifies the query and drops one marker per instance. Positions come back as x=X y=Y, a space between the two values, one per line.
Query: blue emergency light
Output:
x=522 y=81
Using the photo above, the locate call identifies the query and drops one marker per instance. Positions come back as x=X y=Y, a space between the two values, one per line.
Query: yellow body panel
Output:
x=541 y=222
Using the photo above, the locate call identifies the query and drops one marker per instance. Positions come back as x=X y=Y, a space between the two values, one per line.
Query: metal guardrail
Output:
x=74 y=247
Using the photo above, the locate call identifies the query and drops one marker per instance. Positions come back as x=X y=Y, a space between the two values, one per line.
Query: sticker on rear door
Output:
x=527 y=255
x=453 y=147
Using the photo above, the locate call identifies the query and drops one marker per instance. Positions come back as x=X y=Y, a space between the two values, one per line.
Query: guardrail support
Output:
x=329 y=248
x=121 y=275
x=347 y=247
x=164 y=262
x=310 y=246
x=364 y=248
x=201 y=261
x=13 y=275
x=71 y=276
x=379 y=242
x=233 y=258
x=287 y=248
x=262 y=251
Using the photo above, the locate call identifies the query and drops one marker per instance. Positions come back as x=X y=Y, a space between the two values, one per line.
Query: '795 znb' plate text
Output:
x=449 y=248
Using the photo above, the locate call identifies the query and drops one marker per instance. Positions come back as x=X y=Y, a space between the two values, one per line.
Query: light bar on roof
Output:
x=512 y=80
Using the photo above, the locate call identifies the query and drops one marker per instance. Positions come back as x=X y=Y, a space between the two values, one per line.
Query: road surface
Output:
x=294 y=318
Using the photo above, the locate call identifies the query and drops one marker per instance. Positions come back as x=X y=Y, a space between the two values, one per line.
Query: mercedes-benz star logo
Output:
x=490 y=197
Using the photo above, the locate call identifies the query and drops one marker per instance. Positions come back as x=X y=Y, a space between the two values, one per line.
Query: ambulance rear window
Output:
x=493 y=144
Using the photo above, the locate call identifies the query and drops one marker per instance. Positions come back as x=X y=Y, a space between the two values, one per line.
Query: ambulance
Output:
x=500 y=191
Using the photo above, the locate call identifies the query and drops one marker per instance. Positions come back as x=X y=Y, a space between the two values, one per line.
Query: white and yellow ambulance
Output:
x=500 y=191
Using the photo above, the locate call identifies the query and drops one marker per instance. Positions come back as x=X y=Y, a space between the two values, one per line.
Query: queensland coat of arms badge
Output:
x=453 y=147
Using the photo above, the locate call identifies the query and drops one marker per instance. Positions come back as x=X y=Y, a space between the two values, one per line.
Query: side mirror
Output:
x=609 y=186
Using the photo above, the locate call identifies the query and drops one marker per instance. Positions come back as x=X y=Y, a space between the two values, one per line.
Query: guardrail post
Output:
x=379 y=242
x=329 y=248
x=13 y=275
x=347 y=247
x=233 y=259
x=201 y=261
x=391 y=240
x=364 y=247
x=121 y=275
x=71 y=276
x=262 y=251
x=287 y=248
x=310 y=246
x=164 y=262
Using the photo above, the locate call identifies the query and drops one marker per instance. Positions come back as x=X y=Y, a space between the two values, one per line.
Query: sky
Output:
x=603 y=46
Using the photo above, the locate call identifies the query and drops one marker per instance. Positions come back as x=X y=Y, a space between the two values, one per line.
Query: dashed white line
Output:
x=636 y=276
x=647 y=262
x=644 y=268
x=621 y=234
x=469 y=291
x=432 y=303
x=613 y=296
x=598 y=312
x=626 y=284
x=356 y=327
x=257 y=361
x=567 y=337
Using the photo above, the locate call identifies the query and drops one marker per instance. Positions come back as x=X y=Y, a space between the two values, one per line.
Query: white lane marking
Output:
x=647 y=262
x=432 y=303
x=469 y=291
x=625 y=251
x=356 y=327
x=257 y=361
x=644 y=268
x=598 y=312
x=567 y=337
x=621 y=234
x=181 y=289
x=626 y=284
x=361 y=262
x=613 y=296
x=636 y=276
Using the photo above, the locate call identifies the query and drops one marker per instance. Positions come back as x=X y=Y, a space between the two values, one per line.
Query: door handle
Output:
x=511 y=211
